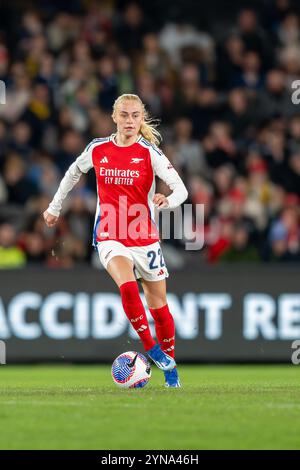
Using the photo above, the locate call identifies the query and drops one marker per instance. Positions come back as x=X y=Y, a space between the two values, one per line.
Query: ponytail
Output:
x=149 y=125
x=149 y=131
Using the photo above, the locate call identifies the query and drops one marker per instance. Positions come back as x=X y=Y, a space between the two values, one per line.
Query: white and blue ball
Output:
x=131 y=370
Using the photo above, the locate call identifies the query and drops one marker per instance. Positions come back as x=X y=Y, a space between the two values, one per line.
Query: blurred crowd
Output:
x=224 y=97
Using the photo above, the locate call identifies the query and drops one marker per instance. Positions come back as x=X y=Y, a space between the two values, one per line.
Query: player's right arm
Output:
x=81 y=165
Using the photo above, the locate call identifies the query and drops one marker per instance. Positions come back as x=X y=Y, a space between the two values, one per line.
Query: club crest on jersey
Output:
x=104 y=160
x=136 y=160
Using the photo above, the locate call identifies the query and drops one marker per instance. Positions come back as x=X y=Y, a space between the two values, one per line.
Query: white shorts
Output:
x=148 y=261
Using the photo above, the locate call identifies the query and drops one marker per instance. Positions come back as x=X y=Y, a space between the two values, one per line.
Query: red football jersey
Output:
x=126 y=185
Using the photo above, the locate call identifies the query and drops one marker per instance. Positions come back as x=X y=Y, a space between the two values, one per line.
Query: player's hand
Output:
x=50 y=220
x=160 y=201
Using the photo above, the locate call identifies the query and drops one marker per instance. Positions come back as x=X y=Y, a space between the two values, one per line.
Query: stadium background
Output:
x=219 y=76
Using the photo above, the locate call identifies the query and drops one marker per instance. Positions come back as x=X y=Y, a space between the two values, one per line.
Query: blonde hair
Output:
x=149 y=125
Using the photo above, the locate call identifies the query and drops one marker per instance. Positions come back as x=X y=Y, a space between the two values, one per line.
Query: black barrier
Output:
x=224 y=313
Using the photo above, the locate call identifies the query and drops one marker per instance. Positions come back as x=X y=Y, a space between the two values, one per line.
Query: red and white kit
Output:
x=124 y=220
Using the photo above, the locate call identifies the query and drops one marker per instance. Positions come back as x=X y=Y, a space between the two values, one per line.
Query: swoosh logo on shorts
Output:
x=107 y=254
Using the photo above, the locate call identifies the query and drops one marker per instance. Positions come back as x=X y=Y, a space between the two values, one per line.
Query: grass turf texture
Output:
x=219 y=407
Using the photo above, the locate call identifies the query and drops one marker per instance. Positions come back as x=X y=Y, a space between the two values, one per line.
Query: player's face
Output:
x=129 y=117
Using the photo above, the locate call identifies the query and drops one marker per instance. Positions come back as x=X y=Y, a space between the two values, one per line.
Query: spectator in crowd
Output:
x=238 y=113
x=189 y=155
x=20 y=140
x=284 y=236
x=230 y=57
x=19 y=187
x=11 y=256
x=240 y=248
x=131 y=29
x=275 y=99
x=250 y=76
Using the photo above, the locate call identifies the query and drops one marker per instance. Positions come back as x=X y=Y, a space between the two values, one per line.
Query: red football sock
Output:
x=165 y=329
x=135 y=312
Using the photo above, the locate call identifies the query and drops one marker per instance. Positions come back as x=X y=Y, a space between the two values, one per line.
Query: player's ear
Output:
x=113 y=118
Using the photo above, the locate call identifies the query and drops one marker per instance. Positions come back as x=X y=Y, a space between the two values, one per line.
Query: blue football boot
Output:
x=161 y=359
x=172 y=379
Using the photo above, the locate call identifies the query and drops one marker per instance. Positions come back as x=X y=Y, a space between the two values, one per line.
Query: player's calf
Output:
x=135 y=312
x=164 y=328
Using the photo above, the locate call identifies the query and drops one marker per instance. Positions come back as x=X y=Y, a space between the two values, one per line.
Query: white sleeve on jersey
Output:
x=82 y=164
x=164 y=170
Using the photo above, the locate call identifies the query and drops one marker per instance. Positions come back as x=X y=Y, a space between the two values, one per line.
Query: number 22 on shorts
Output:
x=153 y=261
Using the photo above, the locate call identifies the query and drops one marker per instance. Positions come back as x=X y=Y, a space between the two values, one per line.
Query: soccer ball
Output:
x=131 y=370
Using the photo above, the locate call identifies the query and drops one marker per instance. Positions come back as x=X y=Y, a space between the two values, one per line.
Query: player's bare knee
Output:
x=155 y=301
x=120 y=269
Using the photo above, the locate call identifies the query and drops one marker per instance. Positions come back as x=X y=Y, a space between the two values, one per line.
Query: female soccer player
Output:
x=126 y=164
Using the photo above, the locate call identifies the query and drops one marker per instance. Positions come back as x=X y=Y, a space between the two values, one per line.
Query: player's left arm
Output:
x=164 y=170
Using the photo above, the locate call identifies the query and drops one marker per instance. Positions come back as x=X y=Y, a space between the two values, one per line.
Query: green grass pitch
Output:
x=219 y=407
